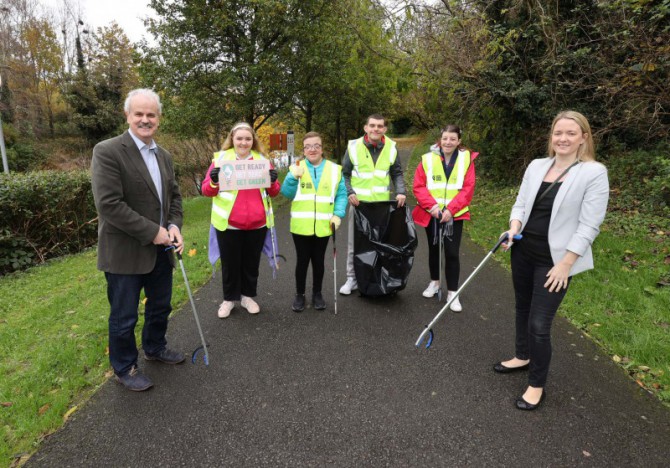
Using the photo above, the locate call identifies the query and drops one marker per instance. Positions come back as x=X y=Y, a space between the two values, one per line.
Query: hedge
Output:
x=44 y=214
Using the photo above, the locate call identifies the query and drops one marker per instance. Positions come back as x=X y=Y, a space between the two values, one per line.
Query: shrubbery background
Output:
x=44 y=214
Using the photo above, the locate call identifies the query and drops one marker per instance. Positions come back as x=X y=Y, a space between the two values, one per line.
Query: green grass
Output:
x=624 y=303
x=620 y=303
x=53 y=336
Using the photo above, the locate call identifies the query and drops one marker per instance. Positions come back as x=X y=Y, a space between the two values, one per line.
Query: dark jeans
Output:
x=535 y=311
x=309 y=249
x=452 y=266
x=123 y=292
x=240 y=259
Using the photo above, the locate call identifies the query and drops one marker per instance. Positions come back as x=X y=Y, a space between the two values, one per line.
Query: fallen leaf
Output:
x=6 y=404
x=597 y=325
x=74 y=327
x=106 y=350
x=616 y=358
x=109 y=373
x=586 y=454
x=649 y=290
x=69 y=413
x=44 y=408
x=69 y=312
x=656 y=385
x=639 y=382
x=192 y=252
x=144 y=301
x=643 y=368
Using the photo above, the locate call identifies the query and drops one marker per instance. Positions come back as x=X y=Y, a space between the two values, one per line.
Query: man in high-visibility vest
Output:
x=369 y=166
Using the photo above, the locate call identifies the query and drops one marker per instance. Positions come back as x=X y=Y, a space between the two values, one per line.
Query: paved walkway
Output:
x=315 y=389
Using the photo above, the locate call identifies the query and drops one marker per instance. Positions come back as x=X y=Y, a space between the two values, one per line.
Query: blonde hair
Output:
x=256 y=145
x=586 y=151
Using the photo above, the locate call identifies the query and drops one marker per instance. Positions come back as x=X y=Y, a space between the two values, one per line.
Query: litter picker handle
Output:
x=502 y=239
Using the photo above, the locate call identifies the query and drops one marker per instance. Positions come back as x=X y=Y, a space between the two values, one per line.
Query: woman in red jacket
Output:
x=444 y=183
x=241 y=219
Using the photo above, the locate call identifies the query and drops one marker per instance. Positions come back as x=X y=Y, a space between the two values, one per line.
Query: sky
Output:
x=97 y=13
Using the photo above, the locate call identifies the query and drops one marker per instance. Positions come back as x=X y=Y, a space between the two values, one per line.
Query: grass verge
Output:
x=53 y=334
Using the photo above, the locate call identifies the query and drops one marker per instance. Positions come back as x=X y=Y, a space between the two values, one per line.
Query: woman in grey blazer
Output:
x=561 y=204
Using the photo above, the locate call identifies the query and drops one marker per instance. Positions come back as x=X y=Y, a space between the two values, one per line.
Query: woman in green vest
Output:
x=444 y=184
x=319 y=203
x=241 y=219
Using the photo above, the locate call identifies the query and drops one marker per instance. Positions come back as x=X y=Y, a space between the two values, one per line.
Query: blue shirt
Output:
x=148 y=152
x=290 y=187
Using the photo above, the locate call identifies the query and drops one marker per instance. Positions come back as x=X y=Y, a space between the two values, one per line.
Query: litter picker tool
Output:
x=429 y=328
x=332 y=226
x=440 y=292
x=195 y=313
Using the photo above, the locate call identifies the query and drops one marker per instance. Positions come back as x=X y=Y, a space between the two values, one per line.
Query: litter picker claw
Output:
x=429 y=328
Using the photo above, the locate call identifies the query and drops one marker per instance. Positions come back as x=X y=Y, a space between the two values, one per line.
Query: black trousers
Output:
x=309 y=249
x=535 y=311
x=452 y=264
x=240 y=260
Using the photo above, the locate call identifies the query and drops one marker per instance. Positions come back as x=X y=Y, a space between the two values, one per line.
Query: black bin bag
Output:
x=384 y=245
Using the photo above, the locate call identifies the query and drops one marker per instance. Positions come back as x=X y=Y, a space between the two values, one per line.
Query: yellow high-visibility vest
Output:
x=222 y=204
x=370 y=181
x=443 y=190
x=313 y=207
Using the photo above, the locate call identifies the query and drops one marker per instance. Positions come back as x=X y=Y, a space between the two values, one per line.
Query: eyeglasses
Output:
x=312 y=147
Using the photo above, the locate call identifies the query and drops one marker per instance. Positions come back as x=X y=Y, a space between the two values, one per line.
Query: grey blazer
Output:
x=578 y=211
x=129 y=210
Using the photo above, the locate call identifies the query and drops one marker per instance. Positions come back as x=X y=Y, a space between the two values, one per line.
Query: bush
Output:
x=640 y=180
x=44 y=214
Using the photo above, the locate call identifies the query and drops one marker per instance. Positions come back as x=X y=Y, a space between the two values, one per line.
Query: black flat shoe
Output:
x=317 y=301
x=298 y=303
x=525 y=406
x=499 y=368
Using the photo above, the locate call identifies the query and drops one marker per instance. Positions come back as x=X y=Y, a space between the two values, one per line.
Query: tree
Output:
x=44 y=59
x=504 y=68
x=219 y=62
x=105 y=73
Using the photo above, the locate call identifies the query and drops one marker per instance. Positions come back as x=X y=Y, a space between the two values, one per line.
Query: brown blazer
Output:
x=128 y=205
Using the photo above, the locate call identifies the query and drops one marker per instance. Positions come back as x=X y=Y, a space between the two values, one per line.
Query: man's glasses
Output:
x=312 y=147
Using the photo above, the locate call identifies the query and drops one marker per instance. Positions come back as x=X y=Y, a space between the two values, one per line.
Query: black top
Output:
x=536 y=232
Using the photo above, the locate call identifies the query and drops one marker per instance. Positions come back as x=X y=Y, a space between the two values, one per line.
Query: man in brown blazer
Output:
x=139 y=215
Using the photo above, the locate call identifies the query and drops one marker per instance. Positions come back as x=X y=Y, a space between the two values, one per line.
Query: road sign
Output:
x=290 y=144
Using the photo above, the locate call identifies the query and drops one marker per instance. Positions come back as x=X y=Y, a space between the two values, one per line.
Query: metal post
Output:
x=5 y=165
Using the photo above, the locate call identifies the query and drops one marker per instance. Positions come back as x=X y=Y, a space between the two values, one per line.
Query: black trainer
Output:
x=298 y=303
x=135 y=380
x=167 y=356
x=317 y=301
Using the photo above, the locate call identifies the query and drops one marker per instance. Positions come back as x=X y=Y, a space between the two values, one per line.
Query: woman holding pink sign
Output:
x=241 y=218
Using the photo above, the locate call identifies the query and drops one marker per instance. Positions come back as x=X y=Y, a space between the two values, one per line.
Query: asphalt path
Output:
x=318 y=389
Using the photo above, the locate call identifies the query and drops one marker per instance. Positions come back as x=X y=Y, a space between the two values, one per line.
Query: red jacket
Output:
x=426 y=200
x=248 y=211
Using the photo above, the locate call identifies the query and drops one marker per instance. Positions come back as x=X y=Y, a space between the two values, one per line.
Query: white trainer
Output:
x=249 y=304
x=456 y=305
x=225 y=308
x=432 y=289
x=350 y=285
